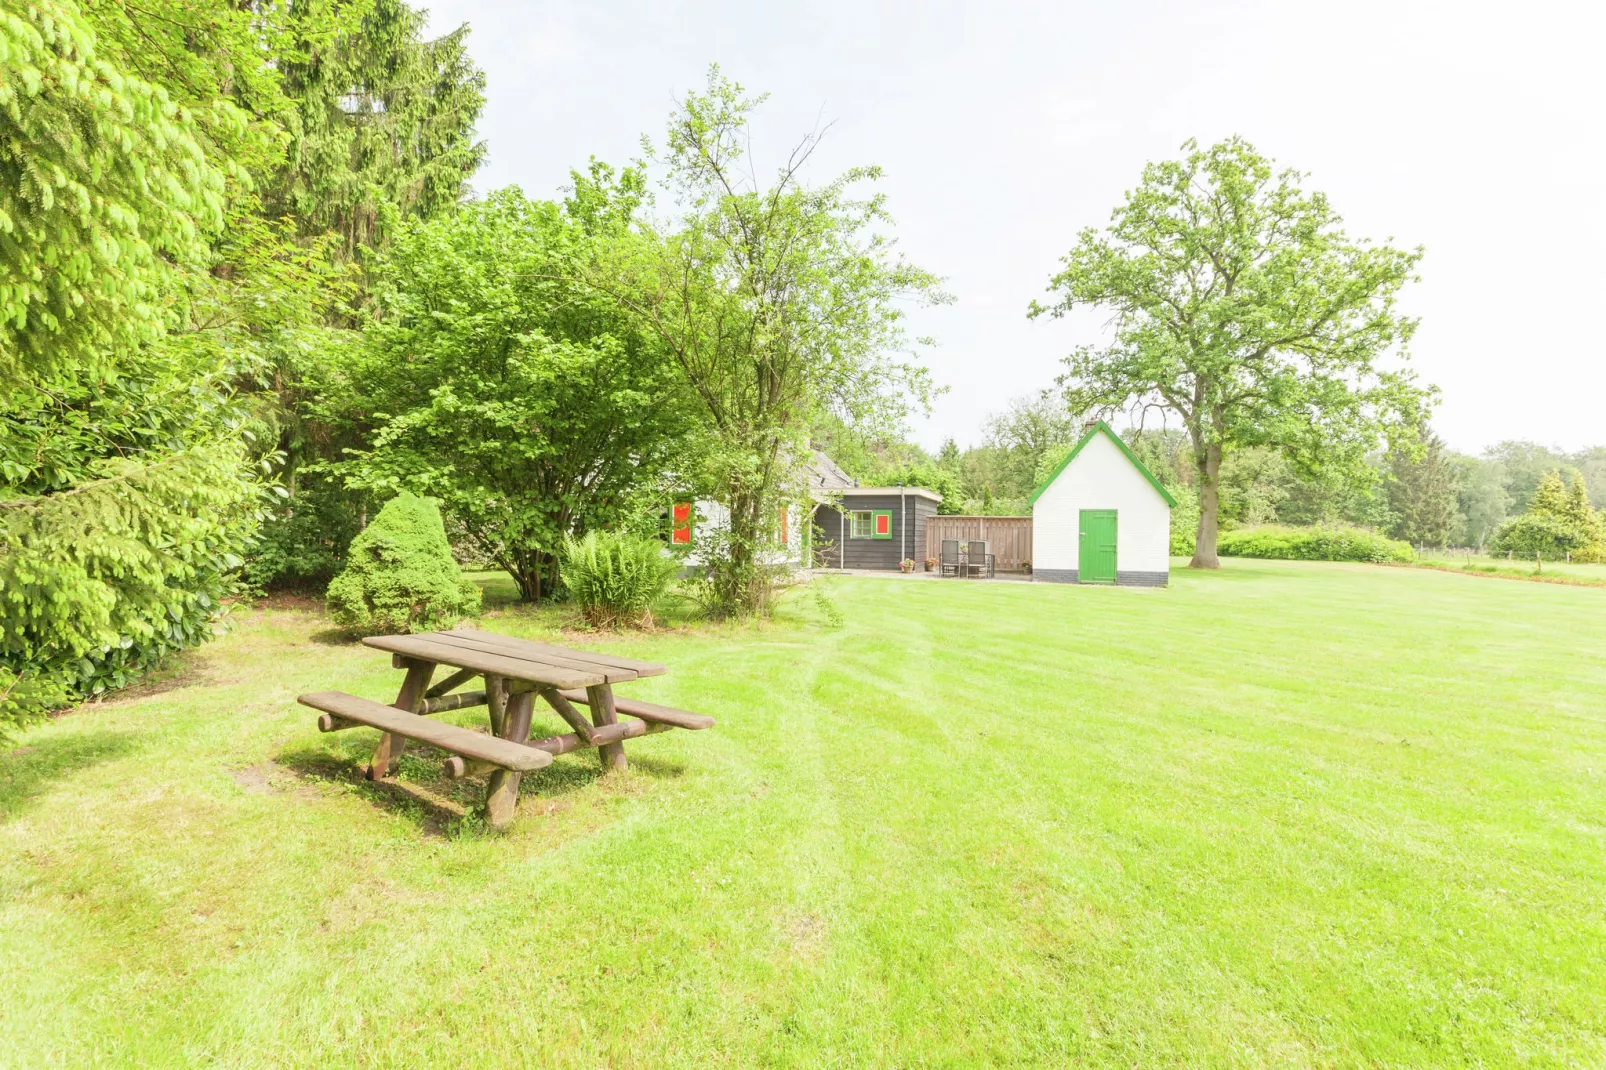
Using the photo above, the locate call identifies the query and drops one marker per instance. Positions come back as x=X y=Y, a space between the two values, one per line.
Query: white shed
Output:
x=1102 y=518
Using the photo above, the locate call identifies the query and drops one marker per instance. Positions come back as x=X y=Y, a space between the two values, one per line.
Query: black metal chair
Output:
x=949 y=564
x=979 y=562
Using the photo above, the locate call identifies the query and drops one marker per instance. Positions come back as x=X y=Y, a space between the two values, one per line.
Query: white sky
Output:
x=1474 y=129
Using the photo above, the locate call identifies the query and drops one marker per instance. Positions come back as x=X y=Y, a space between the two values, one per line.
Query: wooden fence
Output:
x=1008 y=538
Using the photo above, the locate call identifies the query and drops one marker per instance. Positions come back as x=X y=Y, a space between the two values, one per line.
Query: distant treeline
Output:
x=1436 y=497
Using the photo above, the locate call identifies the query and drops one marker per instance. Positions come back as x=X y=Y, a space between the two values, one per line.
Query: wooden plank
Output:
x=447 y=737
x=457 y=679
x=600 y=698
x=421 y=646
x=387 y=755
x=502 y=792
x=651 y=711
x=496 y=696
x=457 y=767
x=460 y=701
x=517 y=648
x=640 y=668
x=571 y=716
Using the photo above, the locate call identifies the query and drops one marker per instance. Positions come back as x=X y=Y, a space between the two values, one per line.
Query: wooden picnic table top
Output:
x=516 y=659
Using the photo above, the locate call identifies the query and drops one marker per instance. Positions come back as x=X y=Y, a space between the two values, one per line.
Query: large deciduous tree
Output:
x=528 y=404
x=1241 y=304
x=778 y=303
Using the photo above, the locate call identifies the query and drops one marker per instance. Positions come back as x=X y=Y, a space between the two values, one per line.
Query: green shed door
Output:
x=1096 y=561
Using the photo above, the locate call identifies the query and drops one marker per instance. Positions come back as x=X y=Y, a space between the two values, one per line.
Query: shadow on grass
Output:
x=28 y=772
x=429 y=812
x=332 y=637
x=421 y=792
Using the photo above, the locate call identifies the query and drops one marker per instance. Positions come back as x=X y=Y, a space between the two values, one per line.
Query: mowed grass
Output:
x=1291 y=814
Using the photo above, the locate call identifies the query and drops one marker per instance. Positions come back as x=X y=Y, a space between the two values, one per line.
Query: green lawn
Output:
x=1291 y=814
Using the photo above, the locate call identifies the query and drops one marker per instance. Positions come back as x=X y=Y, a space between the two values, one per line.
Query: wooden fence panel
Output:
x=1008 y=538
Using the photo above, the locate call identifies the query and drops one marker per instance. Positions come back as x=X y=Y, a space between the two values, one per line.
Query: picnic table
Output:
x=514 y=672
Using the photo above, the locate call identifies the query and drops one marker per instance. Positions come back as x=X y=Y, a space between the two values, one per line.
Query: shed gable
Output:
x=1106 y=460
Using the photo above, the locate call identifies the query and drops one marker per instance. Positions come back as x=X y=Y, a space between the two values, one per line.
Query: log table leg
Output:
x=502 y=792
x=600 y=698
x=388 y=754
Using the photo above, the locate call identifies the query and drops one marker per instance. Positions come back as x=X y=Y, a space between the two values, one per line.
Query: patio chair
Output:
x=980 y=562
x=948 y=564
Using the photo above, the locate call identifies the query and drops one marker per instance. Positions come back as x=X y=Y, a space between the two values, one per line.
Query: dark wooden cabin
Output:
x=873 y=527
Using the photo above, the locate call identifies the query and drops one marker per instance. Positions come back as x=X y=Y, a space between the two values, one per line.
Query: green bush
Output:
x=400 y=575
x=101 y=583
x=1538 y=533
x=1312 y=544
x=616 y=577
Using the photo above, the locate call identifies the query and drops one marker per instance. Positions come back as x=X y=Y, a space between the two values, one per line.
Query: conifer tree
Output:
x=1551 y=498
x=1422 y=493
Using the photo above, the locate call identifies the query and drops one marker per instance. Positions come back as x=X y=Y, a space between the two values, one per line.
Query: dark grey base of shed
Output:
x=1122 y=579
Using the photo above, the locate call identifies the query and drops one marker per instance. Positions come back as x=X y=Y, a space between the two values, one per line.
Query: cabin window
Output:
x=860 y=524
x=883 y=526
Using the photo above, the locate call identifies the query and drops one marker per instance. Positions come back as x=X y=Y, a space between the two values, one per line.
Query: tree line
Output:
x=245 y=298
x=1433 y=497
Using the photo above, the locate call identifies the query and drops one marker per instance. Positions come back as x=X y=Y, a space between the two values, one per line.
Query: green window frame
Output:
x=860 y=524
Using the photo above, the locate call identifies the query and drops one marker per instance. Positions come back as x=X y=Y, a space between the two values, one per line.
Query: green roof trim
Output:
x=1124 y=448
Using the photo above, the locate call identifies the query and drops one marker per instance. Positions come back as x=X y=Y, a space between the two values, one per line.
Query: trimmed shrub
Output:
x=1313 y=544
x=400 y=576
x=1538 y=533
x=616 y=577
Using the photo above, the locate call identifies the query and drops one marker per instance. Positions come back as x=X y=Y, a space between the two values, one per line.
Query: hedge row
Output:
x=1312 y=544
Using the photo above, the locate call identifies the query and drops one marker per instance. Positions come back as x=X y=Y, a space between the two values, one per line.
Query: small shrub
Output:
x=616 y=577
x=400 y=576
x=1313 y=544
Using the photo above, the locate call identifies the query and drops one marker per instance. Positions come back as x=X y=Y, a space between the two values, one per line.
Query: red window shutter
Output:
x=883 y=523
x=681 y=533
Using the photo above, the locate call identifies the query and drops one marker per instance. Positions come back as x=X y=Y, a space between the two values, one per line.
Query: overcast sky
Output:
x=1473 y=129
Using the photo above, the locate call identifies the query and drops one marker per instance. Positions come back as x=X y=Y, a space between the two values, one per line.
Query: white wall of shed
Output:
x=1102 y=477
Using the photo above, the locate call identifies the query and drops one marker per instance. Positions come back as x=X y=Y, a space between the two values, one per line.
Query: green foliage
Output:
x=1241 y=305
x=1314 y=544
x=1184 y=523
x=400 y=576
x=303 y=542
x=382 y=118
x=104 y=189
x=529 y=406
x=1559 y=523
x=1538 y=534
x=778 y=305
x=101 y=581
x=615 y=577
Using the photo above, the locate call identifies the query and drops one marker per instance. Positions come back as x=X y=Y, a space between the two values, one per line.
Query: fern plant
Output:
x=616 y=577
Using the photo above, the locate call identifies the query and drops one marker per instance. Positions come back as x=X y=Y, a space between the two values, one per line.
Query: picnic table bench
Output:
x=514 y=671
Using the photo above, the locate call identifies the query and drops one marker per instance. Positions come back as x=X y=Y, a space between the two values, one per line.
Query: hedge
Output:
x=1312 y=544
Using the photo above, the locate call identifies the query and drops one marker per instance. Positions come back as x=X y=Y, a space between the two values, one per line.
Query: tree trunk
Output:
x=1204 y=547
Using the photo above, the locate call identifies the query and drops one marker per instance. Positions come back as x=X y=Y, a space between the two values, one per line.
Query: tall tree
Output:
x=126 y=491
x=382 y=115
x=530 y=406
x=1242 y=306
x=777 y=303
x=1027 y=429
x=1482 y=501
x=1422 y=492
